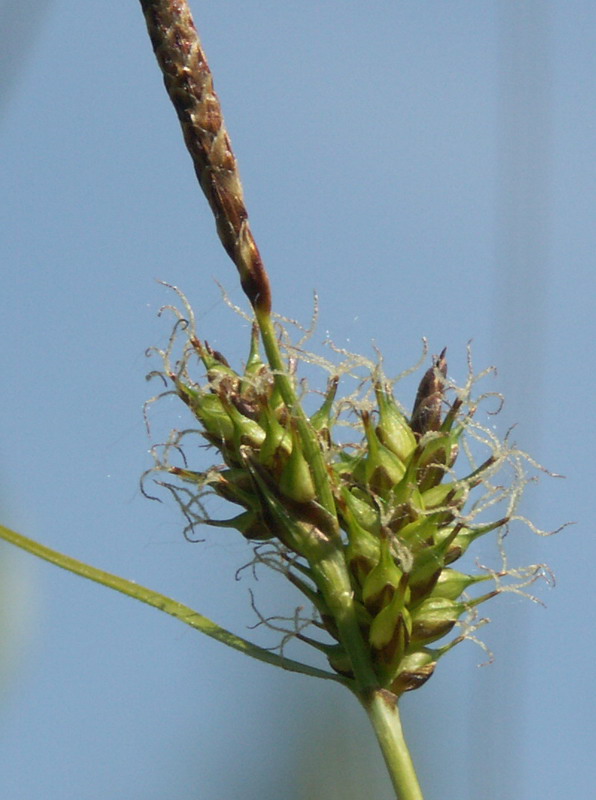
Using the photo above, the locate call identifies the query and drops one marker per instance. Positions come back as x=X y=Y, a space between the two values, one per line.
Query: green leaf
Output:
x=178 y=610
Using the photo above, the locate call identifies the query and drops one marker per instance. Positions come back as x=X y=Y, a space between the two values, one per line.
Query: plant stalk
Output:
x=382 y=710
x=331 y=576
x=379 y=704
x=189 y=84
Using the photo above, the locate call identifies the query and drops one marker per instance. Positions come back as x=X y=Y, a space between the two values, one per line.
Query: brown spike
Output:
x=189 y=84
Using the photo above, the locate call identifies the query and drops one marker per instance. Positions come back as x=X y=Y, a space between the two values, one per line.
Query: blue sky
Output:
x=429 y=169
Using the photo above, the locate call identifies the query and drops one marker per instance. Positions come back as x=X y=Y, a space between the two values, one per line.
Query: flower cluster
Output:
x=389 y=507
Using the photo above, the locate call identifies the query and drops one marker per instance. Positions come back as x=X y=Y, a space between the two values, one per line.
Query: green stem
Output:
x=178 y=610
x=331 y=576
x=383 y=713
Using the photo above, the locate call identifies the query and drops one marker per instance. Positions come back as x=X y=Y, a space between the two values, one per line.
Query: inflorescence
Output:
x=402 y=515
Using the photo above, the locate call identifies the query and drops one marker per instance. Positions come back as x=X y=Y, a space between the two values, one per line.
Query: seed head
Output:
x=402 y=511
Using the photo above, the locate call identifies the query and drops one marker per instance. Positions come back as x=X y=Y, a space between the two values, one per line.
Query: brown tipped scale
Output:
x=189 y=84
x=426 y=415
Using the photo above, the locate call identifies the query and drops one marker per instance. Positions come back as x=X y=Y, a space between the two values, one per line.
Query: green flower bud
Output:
x=389 y=635
x=434 y=618
x=349 y=467
x=445 y=494
x=296 y=480
x=432 y=448
x=234 y=485
x=250 y=524
x=277 y=444
x=210 y=412
x=438 y=454
x=339 y=660
x=256 y=384
x=416 y=534
x=215 y=363
x=254 y=363
x=451 y=583
x=406 y=499
x=246 y=430
x=429 y=576
x=459 y=537
x=429 y=560
x=393 y=430
x=361 y=508
x=414 y=670
x=382 y=468
x=382 y=581
x=391 y=624
x=321 y=419
x=237 y=477
x=423 y=581
x=363 y=549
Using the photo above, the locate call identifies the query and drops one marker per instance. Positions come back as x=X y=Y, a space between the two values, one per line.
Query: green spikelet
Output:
x=381 y=513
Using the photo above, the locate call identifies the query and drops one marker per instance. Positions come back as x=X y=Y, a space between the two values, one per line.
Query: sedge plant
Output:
x=364 y=508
